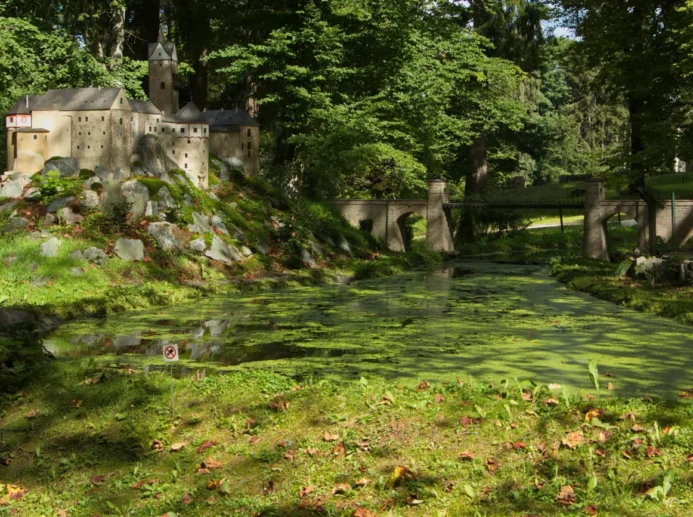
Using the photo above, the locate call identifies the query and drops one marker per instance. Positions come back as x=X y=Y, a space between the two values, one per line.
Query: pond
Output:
x=472 y=321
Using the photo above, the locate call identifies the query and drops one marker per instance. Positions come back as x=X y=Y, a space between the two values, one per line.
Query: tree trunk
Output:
x=118 y=33
x=476 y=177
x=251 y=102
x=199 y=82
x=637 y=146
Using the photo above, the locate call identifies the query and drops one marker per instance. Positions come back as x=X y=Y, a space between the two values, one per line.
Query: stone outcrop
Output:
x=222 y=252
x=59 y=203
x=95 y=256
x=200 y=224
x=50 y=247
x=90 y=200
x=168 y=236
x=152 y=155
x=137 y=196
x=65 y=167
x=130 y=250
x=69 y=217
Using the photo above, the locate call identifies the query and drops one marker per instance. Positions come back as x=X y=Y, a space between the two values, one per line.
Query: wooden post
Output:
x=560 y=213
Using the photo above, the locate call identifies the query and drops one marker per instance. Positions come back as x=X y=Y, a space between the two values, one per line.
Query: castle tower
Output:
x=163 y=75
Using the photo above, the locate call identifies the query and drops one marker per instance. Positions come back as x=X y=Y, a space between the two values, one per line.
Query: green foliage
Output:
x=593 y=370
x=53 y=186
x=20 y=354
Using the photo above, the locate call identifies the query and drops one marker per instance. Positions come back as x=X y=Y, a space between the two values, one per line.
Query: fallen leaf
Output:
x=551 y=402
x=213 y=485
x=187 y=499
x=450 y=486
x=338 y=450
x=573 y=439
x=269 y=488
x=592 y=413
x=651 y=451
x=518 y=445
x=599 y=452
x=628 y=416
x=62 y=513
x=96 y=479
x=279 y=403
x=157 y=445
x=305 y=491
x=177 y=447
x=361 y=482
x=206 y=445
x=566 y=495
x=33 y=414
x=554 y=386
x=466 y=455
x=361 y=512
x=466 y=421
x=290 y=455
x=341 y=488
x=15 y=493
x=439 y=398
x=627 y=455
x=527 y=396
x=329 y=437
x=413 y=500
x=75 y=403
x=591 y=510
x=422 y=386
x=398 y=474
x=210 y=463
x=312 y=452
x=637 y=428
x=491 y=465
x=364 y=445
x=254 y=440
x=610 y=386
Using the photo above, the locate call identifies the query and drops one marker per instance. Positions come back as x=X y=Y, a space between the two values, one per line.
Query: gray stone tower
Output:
x=163 y=75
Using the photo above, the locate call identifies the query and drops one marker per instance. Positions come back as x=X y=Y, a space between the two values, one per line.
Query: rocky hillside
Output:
x=75 y=240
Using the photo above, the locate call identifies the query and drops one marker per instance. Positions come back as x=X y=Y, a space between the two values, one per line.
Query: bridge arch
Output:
x=389 y=217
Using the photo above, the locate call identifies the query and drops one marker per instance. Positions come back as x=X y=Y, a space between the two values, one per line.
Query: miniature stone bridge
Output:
x=670 y=220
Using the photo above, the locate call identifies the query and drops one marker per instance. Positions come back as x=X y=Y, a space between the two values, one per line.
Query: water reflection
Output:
x=488 y=320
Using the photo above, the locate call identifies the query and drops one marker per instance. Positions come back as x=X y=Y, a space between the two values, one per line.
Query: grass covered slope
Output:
x=88 y=439
x=291 y=241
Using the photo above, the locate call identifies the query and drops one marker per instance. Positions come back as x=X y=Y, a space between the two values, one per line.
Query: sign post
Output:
x=170 y=354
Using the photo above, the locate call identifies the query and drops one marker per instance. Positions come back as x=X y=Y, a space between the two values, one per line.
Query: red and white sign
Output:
x=171 y=353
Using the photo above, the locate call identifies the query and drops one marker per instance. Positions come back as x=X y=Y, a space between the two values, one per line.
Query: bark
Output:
x=251 y=102
x=118 y=34
x=635 y=111
x=200 y=80
x=476 y=177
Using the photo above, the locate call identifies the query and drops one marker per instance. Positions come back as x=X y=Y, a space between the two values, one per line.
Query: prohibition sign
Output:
x=171 y=353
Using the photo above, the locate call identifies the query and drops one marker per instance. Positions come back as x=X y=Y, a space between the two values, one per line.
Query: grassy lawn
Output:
x=86 y=439
x=663 y=186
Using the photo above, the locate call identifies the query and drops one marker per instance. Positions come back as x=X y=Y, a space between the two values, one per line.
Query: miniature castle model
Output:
x=101 y=126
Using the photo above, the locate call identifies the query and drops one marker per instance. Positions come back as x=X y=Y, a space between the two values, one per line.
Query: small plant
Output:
x=594 y=374
x=660 y=492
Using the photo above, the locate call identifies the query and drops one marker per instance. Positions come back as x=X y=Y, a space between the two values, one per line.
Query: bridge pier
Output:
x=439 y=230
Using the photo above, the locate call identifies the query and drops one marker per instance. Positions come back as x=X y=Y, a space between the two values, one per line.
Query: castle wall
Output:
x=192 y=156
x=243 y=145
x=10 y=149
x=119 y=131
x=31 y=150
x=59 y=125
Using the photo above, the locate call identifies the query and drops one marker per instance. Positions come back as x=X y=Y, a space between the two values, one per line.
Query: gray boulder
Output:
x=234 y=163
x=166 y=200
x=315 y=246
x=111 y=197
x=50 y=247
x=9 y=317
x=95 y=256
x=246 y=251
x=69 y=217
x=12 y=189
x=200 y=224
x=94 y=183
x=130 y=250
x=168 y=236
x=137 y=195
x=77 y=271
x=90 y=200
x=66 y=167
x=59 y=203
x=105 y=175
x=32 y=194
x=239 y=236
x=344 y=245
x=7 y=207
x=49 y=220
x=77 y=255
x=17 y=224
x=152 y=155
x=262 y=248
x=222 y=252
x=218 y=223
x=198 y=245
x=152 y=209
x=307 y=259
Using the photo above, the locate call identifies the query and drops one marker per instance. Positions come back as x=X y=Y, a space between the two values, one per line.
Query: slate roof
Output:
x=77 y=99
x=144 y=107
x=188 y=114
x=169 y=50
x=221 y=119
x=20 y=107
x=32 y=130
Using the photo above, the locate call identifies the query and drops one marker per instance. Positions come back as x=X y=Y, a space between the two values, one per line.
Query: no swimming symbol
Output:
x=171 y=353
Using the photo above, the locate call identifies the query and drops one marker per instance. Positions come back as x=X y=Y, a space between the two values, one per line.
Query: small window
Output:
x=35 y=137
x=248 y=153
x=186 y=165
x=80 y=133
x=205 y=131
x=163 y=85
x=80 y=119
x=250 y=145
x=121 y=121
x=103 y=119
x=195 y=130
x=242 y=146
x=86 y=119
x=182 y=130
x=78 y=147
x=248 y=132
x=104 y=133
x=188 y=141
x=157 y=121
x=89 y=133
x=174 y=151
x=186 y=155
x=102 y=147
x=45 y=138
x=11 y=120
x=121 y=100
x=150 y=129
x=88 y=147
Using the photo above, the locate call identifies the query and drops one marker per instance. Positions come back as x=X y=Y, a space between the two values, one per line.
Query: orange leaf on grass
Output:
x=566 y=495
x=329 y=437
x=206 y=445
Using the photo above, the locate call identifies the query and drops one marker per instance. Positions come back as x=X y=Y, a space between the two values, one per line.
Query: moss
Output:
x=86 y=173
x=154 y=185
x=213 y=180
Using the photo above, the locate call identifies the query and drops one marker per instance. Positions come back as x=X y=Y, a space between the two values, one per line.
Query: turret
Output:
x=163 y=75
